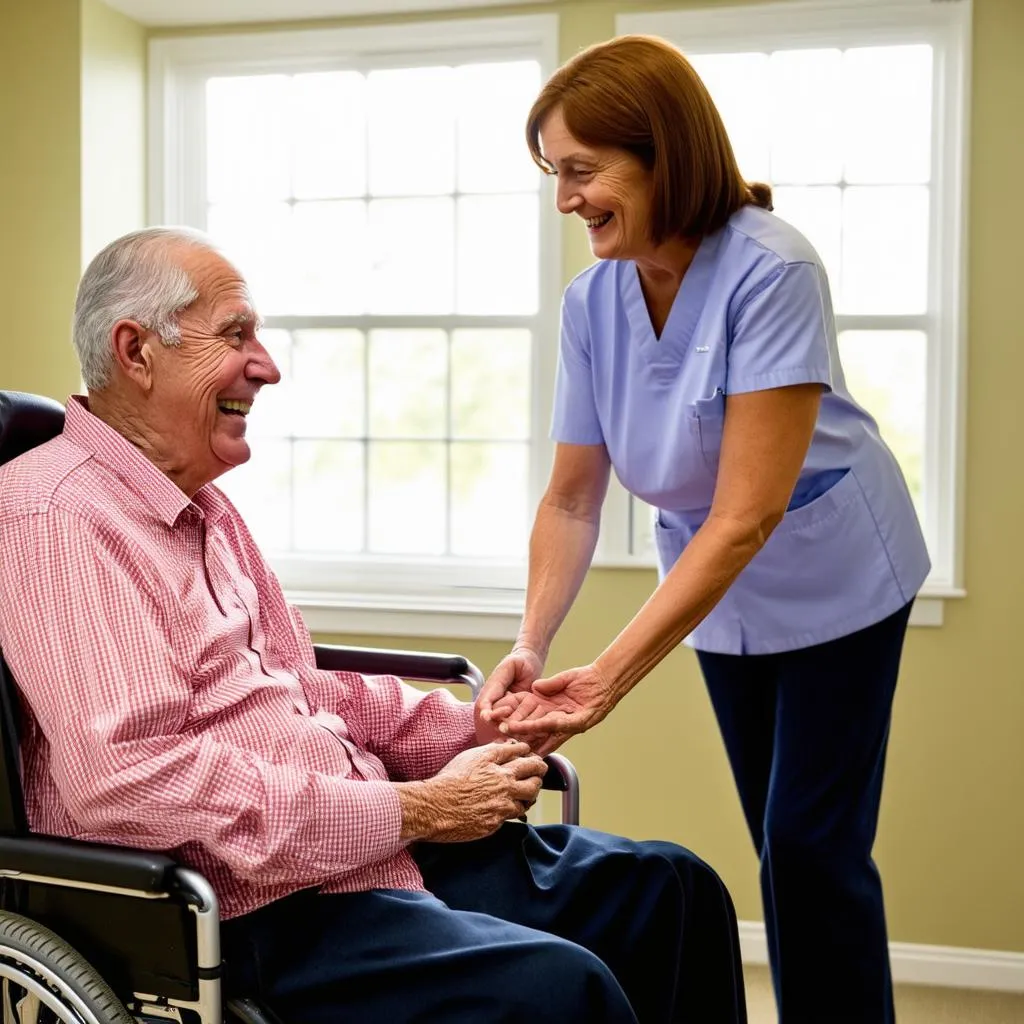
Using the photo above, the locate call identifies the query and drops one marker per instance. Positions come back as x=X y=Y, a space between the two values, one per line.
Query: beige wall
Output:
x=71 y=170
x=951 y=842
x=113 y=61
x=40 y=198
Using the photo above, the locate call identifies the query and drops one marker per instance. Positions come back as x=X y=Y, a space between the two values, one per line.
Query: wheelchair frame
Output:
x=147 y=926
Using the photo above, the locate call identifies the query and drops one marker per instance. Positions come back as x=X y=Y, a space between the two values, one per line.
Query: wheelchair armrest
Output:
x=562 y=778
x=445 y=668
x=424 y=666
x=561 y=773
x=85 y=864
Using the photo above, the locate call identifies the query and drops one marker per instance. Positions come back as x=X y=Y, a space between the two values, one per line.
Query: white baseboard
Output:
x=946 y=966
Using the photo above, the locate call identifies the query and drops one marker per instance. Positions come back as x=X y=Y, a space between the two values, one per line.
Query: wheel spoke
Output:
x=8 y=997
x=28 y=1009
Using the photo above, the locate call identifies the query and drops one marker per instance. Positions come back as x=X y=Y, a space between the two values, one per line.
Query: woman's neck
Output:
x=663 y=268
x=661 y=273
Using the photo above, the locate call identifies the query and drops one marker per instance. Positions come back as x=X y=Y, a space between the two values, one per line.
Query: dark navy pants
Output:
x=531 y=925
x=806 y=734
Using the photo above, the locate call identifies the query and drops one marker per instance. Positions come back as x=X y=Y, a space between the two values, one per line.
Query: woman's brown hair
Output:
x=641 y=94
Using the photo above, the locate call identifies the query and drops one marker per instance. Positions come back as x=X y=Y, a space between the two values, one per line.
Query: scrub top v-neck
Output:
x=752 y=312
x=684 y=313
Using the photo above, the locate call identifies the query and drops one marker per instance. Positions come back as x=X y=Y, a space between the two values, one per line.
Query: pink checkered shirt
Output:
x=174 y=700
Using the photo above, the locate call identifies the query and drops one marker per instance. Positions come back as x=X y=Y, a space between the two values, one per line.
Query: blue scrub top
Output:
x=753 y=312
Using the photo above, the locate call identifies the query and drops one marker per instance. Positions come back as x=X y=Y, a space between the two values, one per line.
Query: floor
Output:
x=915 y=1004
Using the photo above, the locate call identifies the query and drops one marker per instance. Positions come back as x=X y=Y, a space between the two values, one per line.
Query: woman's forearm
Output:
x=561 y=549
x=696 y=583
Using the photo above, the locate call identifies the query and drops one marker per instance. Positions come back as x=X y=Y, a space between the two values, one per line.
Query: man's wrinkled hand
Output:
x=473 y=794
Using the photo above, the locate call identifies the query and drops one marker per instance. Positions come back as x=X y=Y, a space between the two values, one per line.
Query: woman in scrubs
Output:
x=698 y=359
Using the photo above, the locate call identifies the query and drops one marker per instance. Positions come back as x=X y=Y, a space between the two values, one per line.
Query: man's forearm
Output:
x=419 y=811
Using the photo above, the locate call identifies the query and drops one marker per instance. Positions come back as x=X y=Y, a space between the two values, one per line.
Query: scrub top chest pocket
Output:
x=707 y=421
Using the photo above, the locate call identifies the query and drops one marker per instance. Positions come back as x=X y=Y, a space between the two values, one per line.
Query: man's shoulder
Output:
x=57 y=473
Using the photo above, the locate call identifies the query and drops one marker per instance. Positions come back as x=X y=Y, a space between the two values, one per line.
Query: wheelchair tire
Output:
x=52 y=979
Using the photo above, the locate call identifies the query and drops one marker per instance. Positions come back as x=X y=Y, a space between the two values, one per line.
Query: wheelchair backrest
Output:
x=25 y=421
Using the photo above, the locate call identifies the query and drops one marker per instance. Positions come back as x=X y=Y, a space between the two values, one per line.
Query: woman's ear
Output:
x=131 y=347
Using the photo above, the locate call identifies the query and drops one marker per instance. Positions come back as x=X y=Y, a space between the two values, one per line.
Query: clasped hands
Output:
x=516 y=703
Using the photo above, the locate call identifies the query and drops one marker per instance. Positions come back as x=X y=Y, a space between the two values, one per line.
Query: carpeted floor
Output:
x=914 y=1004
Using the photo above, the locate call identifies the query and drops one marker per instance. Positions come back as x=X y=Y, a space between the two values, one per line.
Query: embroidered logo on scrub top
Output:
x=702 y=348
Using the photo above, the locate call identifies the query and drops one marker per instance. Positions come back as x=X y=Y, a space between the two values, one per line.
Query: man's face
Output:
x=203 y=389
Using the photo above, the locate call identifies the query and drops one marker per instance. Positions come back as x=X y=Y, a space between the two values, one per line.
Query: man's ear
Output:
x=131 y=346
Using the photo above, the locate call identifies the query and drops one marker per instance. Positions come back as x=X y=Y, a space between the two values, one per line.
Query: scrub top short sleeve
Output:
x=575 y=418
x=780 y=334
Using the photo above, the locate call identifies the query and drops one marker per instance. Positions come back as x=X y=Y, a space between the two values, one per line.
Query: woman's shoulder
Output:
x=594 y=292
x=758 y=236
x=598 y=277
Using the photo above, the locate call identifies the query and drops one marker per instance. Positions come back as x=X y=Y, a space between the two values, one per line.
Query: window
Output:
x=854 y=112
x=374 y=186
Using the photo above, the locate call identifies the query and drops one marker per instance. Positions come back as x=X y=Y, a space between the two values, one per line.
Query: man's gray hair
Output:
x=136 y=277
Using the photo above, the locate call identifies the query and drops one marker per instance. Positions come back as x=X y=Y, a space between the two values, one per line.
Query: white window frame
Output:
x=382 y=595
x=946 y=27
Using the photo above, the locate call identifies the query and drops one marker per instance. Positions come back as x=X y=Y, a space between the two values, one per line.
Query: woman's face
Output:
x=609 y=188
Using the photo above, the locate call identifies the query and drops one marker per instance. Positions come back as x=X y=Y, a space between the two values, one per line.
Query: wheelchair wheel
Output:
x=43 y=980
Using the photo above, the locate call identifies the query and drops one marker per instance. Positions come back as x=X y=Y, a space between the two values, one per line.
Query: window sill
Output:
x=481 y=614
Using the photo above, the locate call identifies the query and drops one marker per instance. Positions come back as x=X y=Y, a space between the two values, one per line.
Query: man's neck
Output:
x=121 y=415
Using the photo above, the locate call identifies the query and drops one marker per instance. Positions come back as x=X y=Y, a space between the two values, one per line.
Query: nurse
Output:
x=698 y=359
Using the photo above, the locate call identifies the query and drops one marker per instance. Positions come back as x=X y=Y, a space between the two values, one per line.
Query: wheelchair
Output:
x=96 y=934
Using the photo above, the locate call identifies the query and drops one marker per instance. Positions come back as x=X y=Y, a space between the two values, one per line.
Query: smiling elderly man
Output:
x=353 y=827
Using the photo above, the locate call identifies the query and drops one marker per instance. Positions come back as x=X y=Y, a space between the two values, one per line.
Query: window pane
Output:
x=886 y=114
x=247 y=138
x=256 y=237
x=489 y=499
x=817 y=212
x=261 y=488
x=412 y=131
x=886 y=373
x=329 y=496
x=407 y=498
x=806 y=135
x=412 y=245
x=329 y=372
x=271 y=414
x=499 y=254
x=885 y=249
x=493 y=101
x=732 y=79
x=408 y=378
x=329 y=124
x=490 y=383
x=331 y=270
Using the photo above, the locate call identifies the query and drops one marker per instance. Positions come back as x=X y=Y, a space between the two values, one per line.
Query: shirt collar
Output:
x=154 y=488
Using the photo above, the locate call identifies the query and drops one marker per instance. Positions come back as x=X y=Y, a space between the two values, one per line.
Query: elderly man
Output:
x=354 y=828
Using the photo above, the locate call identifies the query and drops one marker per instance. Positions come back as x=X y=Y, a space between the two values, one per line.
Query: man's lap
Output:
x=525 y=920
x=395 y=956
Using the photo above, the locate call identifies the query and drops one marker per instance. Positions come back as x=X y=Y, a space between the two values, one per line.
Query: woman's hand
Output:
x=514 y=674
x=555 y=709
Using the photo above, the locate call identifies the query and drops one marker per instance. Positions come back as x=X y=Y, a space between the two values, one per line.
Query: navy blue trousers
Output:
x=806 y=734
x=531 y=925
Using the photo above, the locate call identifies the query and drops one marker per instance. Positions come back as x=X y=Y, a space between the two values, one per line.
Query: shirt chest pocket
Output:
x=707 y=419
